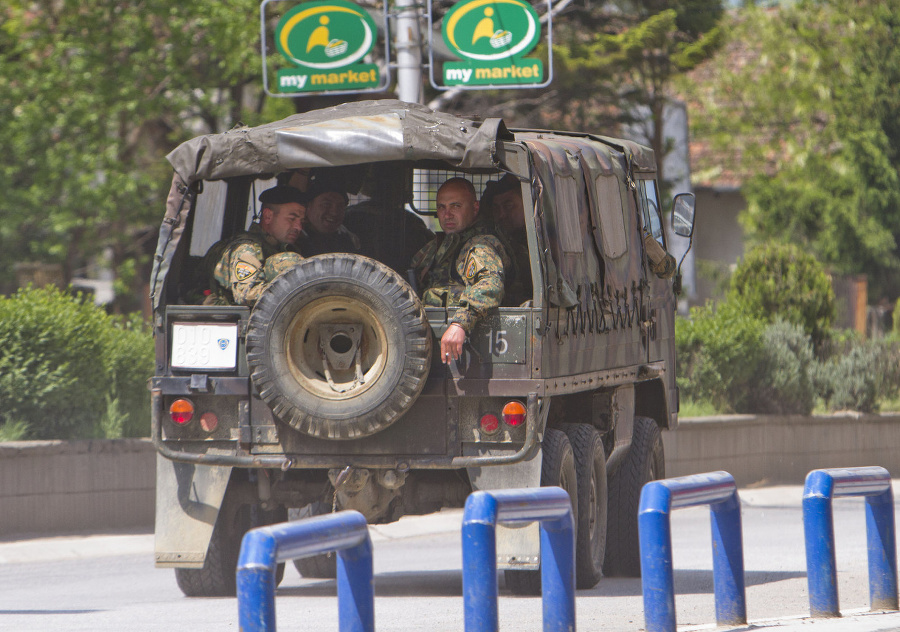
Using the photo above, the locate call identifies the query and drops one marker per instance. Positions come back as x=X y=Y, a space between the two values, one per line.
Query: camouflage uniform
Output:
x=464 y=270
x=247 y=265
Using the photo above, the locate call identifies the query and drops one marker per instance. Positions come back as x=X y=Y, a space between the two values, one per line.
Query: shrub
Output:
x=784 y=381
x=62 y=360
x=719 y=350
x=781 y=281
x=858 y=375
x=128 y=349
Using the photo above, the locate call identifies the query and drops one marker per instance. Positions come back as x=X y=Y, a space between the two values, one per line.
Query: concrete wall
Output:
x=69 y=486
x=773 y=449
x=60 y=486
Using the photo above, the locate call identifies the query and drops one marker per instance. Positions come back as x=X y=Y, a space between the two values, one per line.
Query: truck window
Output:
x=650 y=204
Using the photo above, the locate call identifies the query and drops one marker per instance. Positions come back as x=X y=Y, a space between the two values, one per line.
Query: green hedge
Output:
x=68 y=370
x=739 y=364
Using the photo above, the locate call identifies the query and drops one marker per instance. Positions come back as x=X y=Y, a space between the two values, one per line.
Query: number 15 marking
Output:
x=497 y=343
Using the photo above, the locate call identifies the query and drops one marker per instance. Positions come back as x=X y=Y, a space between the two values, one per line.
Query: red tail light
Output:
x=181 y=411
x=490 y=424
x=514 y=413
x=209 y=422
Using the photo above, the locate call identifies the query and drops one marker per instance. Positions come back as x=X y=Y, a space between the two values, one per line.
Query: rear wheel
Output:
x=557 y=469
x=322 y=566
x=217 y=578
x=590 y=466
x=644 y=462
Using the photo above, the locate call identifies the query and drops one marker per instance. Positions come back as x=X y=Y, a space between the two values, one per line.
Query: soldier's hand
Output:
x=452 y=343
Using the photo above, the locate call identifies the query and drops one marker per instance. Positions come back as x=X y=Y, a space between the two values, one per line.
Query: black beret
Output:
x=283 y=194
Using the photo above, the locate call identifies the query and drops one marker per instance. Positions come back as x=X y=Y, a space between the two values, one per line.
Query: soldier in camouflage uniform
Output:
x=508 y=211
x=323 y=229
x=245 y=265
x=464 y=267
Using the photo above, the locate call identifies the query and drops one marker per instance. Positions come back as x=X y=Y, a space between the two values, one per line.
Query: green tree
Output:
x=807 y=101
x=95 y=93
x=615 y=64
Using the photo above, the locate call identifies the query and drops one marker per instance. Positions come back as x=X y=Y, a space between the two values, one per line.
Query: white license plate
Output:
x=204 y=346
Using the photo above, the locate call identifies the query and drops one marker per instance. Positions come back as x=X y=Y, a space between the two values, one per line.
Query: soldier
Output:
x=509 y=215
x=246 y=264
x=462 y=267
x=324 y=229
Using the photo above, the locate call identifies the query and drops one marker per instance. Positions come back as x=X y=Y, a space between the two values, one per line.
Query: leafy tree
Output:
x=614 y=64
x=806 y=99
x=95 y=93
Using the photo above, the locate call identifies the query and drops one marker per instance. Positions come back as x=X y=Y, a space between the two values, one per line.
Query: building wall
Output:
x=718 y=239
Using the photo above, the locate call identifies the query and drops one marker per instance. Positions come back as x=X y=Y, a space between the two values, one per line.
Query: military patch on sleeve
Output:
x=471 y=268
x=244 y=270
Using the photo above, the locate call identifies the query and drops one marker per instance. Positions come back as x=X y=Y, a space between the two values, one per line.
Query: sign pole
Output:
x=409 y=52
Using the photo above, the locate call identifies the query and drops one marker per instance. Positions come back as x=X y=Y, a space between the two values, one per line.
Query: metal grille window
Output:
x=426 y=183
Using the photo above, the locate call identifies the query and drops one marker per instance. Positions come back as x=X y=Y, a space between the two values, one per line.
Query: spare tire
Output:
x=339 y=346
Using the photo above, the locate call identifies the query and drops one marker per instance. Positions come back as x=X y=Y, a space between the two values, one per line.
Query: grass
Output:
x=690 y=408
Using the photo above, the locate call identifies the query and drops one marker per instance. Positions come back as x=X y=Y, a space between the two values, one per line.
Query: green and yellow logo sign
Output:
x=324 y=40
x=492 y=36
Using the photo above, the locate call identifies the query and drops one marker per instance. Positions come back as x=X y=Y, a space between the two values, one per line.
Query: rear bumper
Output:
x=240 y=457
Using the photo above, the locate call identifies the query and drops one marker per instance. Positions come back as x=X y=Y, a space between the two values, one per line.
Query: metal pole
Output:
x=263 y=548
x=882 y=548
x=821 y=568
x=728 y=562
x=408 y=44
x=657 y=577
x=658 y=499
x=552 y=508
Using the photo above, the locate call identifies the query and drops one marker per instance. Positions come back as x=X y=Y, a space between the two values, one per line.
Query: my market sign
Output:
x=492 y=37
x=324 y=42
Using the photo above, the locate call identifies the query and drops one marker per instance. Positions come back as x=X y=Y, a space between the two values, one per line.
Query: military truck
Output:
x=328 y=394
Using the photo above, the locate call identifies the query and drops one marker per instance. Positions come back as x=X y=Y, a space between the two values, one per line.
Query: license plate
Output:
x=204 y=346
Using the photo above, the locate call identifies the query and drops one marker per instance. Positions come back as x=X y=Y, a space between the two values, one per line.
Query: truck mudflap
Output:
x=518 y=546
x=184 y=528
x=533 y=429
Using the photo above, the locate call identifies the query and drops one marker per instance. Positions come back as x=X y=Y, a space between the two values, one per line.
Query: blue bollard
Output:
x=658 y=498
x=262 y=549
x=552 y=508
x=818 y=524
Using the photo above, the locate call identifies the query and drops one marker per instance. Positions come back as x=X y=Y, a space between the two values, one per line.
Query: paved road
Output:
x=107 y=582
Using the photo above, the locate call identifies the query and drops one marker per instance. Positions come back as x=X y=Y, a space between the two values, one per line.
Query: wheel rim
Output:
x=331 y=343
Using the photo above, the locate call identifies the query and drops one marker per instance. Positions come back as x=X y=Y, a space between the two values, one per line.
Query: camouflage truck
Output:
x=328 y=394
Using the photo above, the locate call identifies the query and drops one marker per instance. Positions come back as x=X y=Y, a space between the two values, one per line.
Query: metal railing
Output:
x=818 y=524
x=262 y=549
x=658 y=498
x=550 y=506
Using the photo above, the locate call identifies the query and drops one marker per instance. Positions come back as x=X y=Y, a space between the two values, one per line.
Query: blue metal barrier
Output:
x=549 y=505
x=821 y=569
x=262 y=549
x=658 y=498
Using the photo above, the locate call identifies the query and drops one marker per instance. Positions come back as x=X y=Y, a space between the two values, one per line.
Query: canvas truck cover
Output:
x=351 y=133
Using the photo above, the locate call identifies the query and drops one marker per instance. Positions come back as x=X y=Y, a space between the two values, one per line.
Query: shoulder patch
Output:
x=471 y=268
x=244 y=270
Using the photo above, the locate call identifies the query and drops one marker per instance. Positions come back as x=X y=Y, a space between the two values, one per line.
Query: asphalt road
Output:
x=106 y=582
